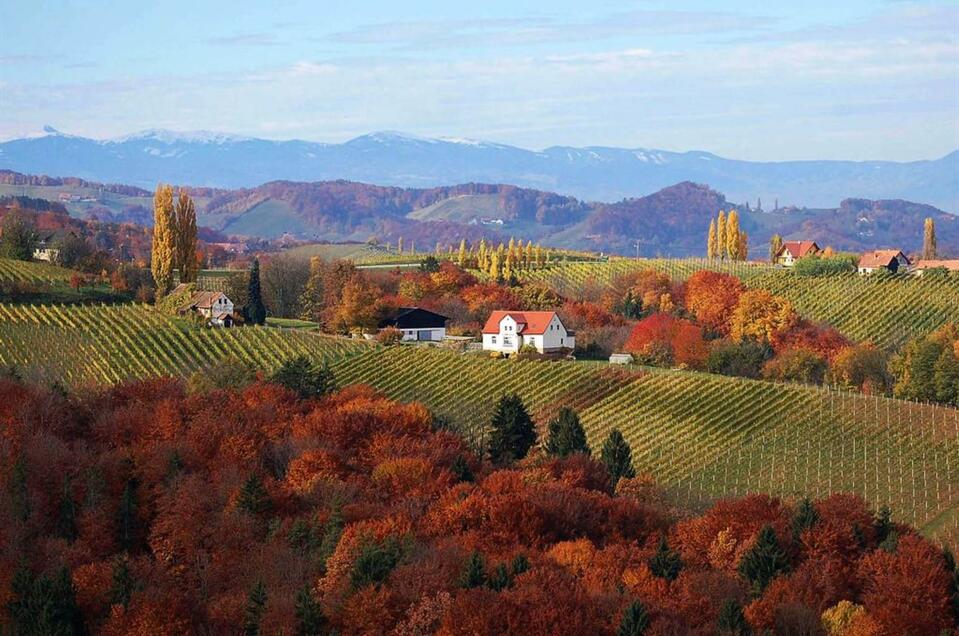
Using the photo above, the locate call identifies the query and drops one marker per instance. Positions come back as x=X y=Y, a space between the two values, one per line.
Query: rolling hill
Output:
x=672 y=221
x=389 y=158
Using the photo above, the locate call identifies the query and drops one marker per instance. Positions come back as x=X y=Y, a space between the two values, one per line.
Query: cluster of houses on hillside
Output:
x=505 y=331
x=869 y=262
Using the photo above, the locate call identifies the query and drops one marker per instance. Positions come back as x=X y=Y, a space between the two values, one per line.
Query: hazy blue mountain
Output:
x=389 y=158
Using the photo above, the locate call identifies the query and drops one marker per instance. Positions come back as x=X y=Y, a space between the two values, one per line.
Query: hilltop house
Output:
x=213 y=305
x=949 y=265
x=45 y=249
x=417 y=324
x=891 y=260
x=792 y=251
x=510 y=331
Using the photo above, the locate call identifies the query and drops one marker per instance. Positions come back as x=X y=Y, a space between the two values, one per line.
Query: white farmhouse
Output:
x=890 y=260
x=213 y=305
x=509 y=331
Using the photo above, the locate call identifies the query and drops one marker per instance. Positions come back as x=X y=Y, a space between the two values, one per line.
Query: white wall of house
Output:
x=48 y=254
x=510 y=340
x=786 y=259
x=433 y=334
x=222 y=305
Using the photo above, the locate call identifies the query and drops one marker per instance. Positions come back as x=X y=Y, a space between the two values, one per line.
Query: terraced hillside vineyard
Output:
x=705 y=436
x=882 y=309
x=12 y=270
x=78 y=345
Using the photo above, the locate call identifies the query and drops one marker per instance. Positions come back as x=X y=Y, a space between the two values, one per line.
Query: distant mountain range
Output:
x=672 y=221
x=394 y=159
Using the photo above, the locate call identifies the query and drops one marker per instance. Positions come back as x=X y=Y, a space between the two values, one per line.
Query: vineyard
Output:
x=31 y=272
x=79 y=345
x=704 y=436
x=884 y=310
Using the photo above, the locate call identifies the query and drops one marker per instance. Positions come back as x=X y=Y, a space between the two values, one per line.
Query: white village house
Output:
x=213 y=305
x=510 y=331
x=792 y=251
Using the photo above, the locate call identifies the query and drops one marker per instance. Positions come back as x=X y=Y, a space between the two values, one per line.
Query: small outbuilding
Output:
x=949 y=265
x=417 y=324
x=215 y=306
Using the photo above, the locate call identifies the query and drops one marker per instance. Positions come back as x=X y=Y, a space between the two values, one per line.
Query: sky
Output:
x=836 y=79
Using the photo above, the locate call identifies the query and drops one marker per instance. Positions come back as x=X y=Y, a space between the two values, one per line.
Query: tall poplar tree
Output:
x=743 y=246
x=462 y=254
x=732 y=235
x=929 y=240
x=775 y=244
x=163 y=254
x=721 y=235
x=186 y=238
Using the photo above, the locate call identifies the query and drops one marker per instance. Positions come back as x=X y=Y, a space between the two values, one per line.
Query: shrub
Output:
x=826 y=265
x=304 y=377
x=744 y=359
x=389 y=336
x=796 y=365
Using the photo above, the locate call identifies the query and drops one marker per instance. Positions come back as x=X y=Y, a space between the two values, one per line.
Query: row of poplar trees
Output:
x=174 y=239
x=726 y=239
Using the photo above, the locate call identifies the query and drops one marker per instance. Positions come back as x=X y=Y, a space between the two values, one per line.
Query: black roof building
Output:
x=415 y=318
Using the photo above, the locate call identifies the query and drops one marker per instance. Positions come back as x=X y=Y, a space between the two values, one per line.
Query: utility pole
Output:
x=636 y=242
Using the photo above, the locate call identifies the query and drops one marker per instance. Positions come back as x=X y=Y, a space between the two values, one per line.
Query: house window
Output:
x=493 y=339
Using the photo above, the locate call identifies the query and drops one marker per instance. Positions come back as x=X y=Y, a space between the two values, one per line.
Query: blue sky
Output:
x=753 y=80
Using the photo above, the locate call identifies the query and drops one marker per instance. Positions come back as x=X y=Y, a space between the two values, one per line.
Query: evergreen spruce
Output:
x=305 y=378
x=891 y=542
x=461 y=469
x=310 y=620
x=665 y=563
x=764 y=561
x=44 y=606
x=883 y=524
x=617 y=457
x=67 y=517
x=474 y=573
x=255 y=606
x=255 y=311
x=635 y=620
x=331 y=537
x=566 y=435
x=254 y=498
x=127 y=520
x=375 y=562
x=804 y=518
x=500 y=579
x=123 y=584
x=519 y=565
x=513 y=433
x=731 y=620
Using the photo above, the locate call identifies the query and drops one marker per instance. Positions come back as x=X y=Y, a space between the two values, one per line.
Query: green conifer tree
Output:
x=255 y=607
x=566 y=435
x=513 y=432
x=474 y=572
x=764 y=561
x=635 y=620
x=255 y=310
x=665 y=563
x=731 y=620
x=310 y=620
x=617 y=457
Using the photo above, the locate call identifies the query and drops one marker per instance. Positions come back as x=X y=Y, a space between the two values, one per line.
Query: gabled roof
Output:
x=880 y=258
x=528 y=322
x=206 y=299
x=798 y=249
x=951 y=264
x=415 y=318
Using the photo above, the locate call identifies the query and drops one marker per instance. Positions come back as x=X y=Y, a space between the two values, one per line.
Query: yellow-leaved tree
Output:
x=163 y=251
x=721 y=235
x=731 y=246
x=711 y=240
x=186 y=240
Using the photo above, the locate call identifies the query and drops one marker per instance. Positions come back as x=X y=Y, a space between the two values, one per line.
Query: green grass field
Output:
x=884 y=310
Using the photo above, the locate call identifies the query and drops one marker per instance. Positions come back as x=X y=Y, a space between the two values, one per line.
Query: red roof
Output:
x=879 y=258
x=528 y=322
x=952 y=265
x=799 y=249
